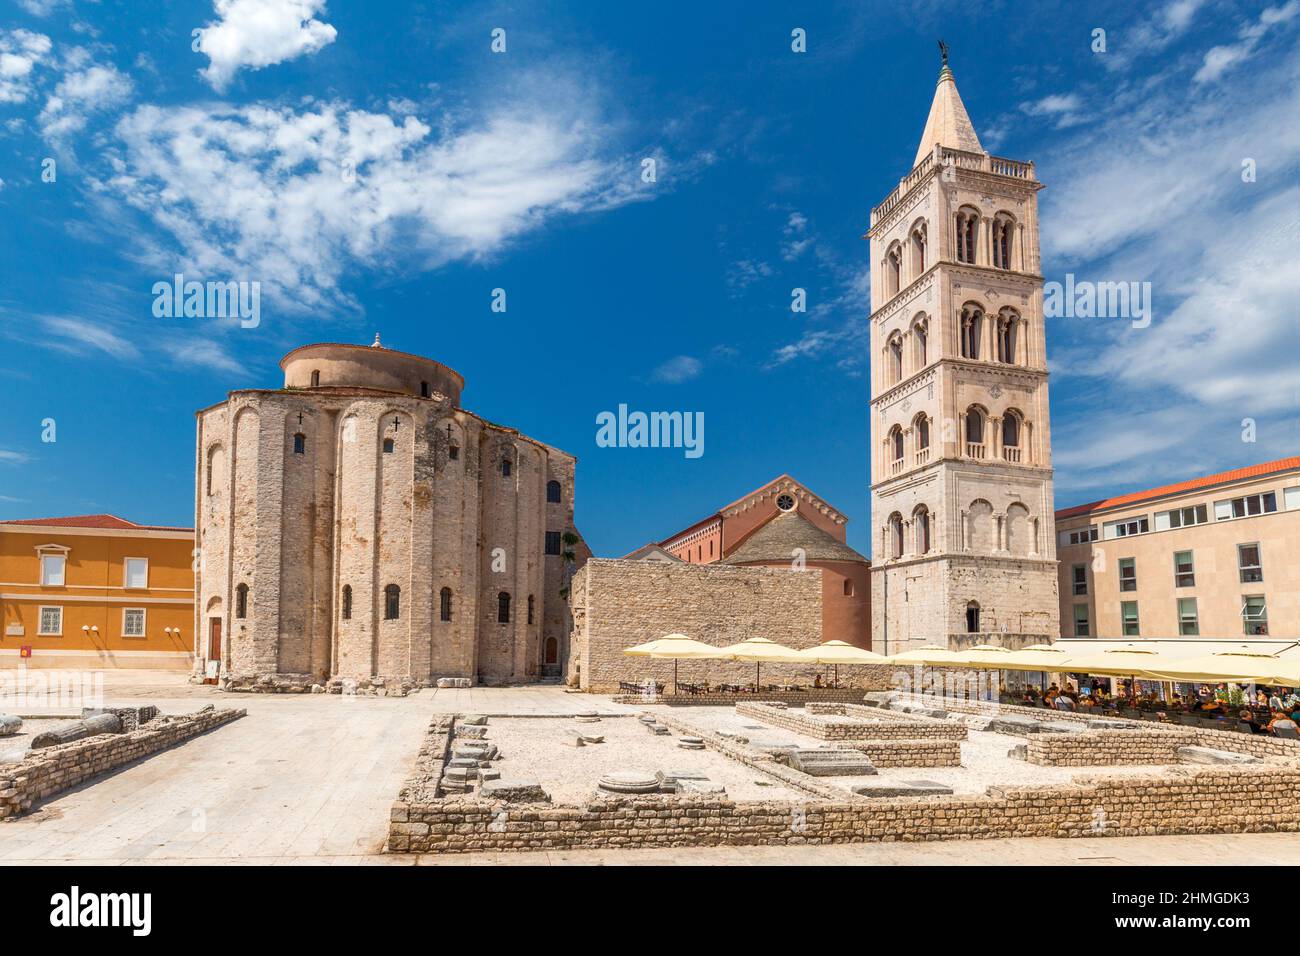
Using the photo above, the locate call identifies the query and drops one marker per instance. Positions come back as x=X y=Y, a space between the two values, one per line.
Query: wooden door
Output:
x=214 y=639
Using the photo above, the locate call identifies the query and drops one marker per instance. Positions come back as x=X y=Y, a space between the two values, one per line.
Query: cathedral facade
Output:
x=961 y=465
x=359 y=525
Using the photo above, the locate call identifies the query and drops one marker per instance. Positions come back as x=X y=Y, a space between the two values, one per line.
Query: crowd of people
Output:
x=1267 y=710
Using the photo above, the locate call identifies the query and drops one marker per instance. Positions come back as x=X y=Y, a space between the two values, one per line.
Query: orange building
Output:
x=95 y=591
x=783 y=524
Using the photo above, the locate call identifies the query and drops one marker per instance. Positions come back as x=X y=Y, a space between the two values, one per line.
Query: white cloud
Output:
x=14 y=458
x=43 y=8
x=796 y=236
x=204 y=353
x=1220 y=59
x=682 y=368
x=20 y=52
x=1064 y=108
x=260 y=33
x=77 y=335
x=1153 y=34
x=294 y=199
x=82 y=92
x=1171 y=207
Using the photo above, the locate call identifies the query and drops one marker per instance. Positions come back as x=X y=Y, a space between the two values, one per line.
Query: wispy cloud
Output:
x=1220 y=59
x=1065 y=109
x=681 y=368
x=14 y=458
x=91 y=88
x=1152 y=34
x=297 y=198
x=81 y=335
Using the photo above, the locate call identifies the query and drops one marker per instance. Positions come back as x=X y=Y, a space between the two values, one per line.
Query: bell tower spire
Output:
x=948 y=123
x=964 y=548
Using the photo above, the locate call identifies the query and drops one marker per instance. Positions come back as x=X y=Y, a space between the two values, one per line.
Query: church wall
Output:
x=618 y=604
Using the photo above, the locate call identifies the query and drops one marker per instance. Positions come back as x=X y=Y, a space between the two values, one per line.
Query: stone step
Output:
x=903 y=788
x=825 y=762
x=1210 y=755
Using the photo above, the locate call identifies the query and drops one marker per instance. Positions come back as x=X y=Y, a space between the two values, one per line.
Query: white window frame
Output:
x=1226 y=505
x=126 y=575
x=40 y=620
x=1120 y=528
x=144 y=621
x=61 y=556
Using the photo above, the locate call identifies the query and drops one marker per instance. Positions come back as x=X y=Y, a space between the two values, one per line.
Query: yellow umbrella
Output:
x=984 y=655
x=1128 y=662
x=1235 y=667
x=760 y=650
x=930 y=654
x=1120 y=662
x=836 y=653
x=674 y=647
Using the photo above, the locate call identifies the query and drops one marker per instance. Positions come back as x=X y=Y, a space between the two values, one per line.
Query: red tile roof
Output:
x=1222 y=478
x=106 y=522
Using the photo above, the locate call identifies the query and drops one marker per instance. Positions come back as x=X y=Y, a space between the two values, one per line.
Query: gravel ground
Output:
x=983 y=756
x=530 y=751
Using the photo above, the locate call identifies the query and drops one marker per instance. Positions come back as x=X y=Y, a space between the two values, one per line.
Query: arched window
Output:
x=894 y=269
x=553 y=492
x=315 y=378
x=895 y=359
x=921 y=338
x=392 y=602
x=921 y=525
x=972 y=318
x=552 y=651
x=1011 y=436
x=967 y=233
x=973 y=617
x=896 y=535
x=975 y=432
x=503 y=607
x=922 y=426
x=1003 y=236
x=453 y=452
x=1008 y=325
x=299 y=444
x=530 y=609
x=505 y=467
x=445 y=602
x=216 y=458
x=896 y=444
x=241 y=601
x=918 y=249
x=389 y=445
x=424 y=389
x=347 y=602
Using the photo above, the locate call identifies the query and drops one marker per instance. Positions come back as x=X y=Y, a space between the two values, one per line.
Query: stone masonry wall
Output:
x=1214 y=800
x=618 y=604
x=43 y=773
x=1255 y=745
x=1097 y=748
x=873 y=725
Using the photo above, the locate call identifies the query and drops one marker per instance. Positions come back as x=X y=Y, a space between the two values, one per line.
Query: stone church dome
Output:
x=334 y=365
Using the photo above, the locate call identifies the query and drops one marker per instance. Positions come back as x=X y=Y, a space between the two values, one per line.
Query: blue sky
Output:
x=521 y=170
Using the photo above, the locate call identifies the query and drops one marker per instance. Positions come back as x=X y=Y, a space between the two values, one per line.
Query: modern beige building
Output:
x=1216 y=557
x=359 y=524
x=961 y=463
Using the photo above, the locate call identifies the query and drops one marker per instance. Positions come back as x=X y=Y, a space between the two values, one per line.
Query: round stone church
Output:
x=359 y=525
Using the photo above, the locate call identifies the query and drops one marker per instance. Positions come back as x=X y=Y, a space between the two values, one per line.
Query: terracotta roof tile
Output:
x=106 y=522
x=1222 y=478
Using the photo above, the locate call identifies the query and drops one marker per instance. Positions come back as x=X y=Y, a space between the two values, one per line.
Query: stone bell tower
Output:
x=964 y=546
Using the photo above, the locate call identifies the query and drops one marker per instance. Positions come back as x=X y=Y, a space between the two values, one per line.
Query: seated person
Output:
x=1281 y=718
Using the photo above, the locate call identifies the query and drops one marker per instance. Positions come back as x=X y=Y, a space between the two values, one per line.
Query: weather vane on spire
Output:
x=943 y=52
